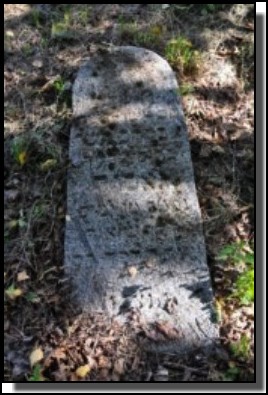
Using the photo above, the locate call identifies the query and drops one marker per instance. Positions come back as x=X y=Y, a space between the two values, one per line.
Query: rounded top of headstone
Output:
x=123 y=67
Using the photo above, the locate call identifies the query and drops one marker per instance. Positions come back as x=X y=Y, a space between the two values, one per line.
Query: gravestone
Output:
x=134 y=238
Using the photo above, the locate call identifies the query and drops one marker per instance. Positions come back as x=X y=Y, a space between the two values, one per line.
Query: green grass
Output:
x=241 y=255
x=151 y=37
x=181 y=55
x=19 y=149
x=27 y=49
x=63 y=94
x=60 y=29
x=241 y=348
x=36 y=374
x=210 y=8
x=186 y=89
x=245 y=64
x=58 y=85
x=84 y=15
x=232 y=373
x=36 y=17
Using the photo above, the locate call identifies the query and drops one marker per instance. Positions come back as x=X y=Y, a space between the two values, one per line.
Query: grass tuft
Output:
x=182 y=56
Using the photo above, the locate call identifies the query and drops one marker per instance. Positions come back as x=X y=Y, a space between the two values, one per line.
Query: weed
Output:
x=39 y=210
x=19 y=149
x=232 y=373
x=241 y=254
x=245 y=64
x=186 y=89
x=8 y=37
x=148 y=38
x=241 y=348
x=32 y=297
x=36 y=17
x=84 y=15
x=127 y=30
x=44 y=42
x=62 y=91
x=61 y=29
x=182 y=56
x=27 y=49
x=59 y=85
x=37 y=373
x=244 y=287
x=145 y=38
x=209 y=8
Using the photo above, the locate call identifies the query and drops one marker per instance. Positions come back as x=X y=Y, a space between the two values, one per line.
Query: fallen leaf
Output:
x=161 y=374
x=12 y=224
x=154 y=335
x=36 y=356
x=32 y=297
x=250 y=26
x=167 y=329
x=13 y=292
x=22 y=158
x=218 y=311
x=49 y=84
x=22 y=276
x=156 y=30
x=119 y=366
x=104 y=362
x=218 y=149
x=59 y=353
x=132 y=271
x=82 y=371
x=9 y=33
x=37 y=63
x=91 y=362
x=48 y=164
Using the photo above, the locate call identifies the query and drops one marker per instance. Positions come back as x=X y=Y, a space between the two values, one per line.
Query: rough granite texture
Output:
x=134 y=236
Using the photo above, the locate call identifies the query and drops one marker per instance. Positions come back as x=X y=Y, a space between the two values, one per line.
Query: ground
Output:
x=46 y=337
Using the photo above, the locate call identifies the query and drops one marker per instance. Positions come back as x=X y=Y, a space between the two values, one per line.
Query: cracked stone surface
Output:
x=134 y=237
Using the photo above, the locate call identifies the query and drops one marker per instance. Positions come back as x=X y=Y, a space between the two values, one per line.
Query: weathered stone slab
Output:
x=134 y=235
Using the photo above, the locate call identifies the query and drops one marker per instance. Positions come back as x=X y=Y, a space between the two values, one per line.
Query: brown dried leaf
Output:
x=167 y=329
x=36 y=356
x=91 y=362
x=104 y=362
x=22 y=276
x=119 y=366
x=49 y=84
x=59 y=353
x=104 y=373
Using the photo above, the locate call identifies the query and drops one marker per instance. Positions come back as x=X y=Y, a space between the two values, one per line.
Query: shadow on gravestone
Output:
x=134 y=239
